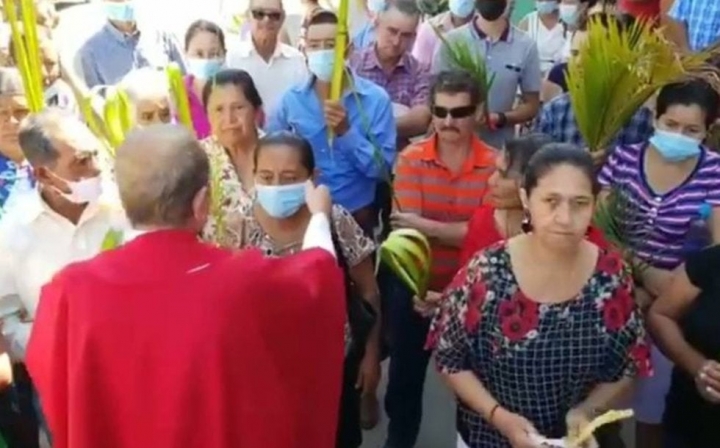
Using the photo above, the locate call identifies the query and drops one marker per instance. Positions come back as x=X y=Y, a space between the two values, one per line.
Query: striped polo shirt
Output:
x=659 y=222
x=424 y=185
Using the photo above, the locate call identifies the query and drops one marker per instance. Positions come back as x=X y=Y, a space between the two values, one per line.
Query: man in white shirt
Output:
x=273 y=65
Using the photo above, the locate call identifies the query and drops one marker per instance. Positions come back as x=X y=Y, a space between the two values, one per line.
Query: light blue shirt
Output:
x=109 y=54
x=353 y=166
x=365 y=37
x=702 y=19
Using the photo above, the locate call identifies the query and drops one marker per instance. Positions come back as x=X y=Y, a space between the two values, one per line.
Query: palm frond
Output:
x=433 y=7
x=465 y=56
x=618 y=69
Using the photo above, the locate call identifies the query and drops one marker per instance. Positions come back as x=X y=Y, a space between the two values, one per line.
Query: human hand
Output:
x=401 y=220
x=368 y=374
x=317 y=199
x=336 y=117
x=707 y=381
x=426 y=307
x=516 y=428
x=576 y=421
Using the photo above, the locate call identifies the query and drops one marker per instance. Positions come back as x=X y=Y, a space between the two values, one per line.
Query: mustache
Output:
x=450 y=128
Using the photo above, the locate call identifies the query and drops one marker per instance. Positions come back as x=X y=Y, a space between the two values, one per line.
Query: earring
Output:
x=526 y=225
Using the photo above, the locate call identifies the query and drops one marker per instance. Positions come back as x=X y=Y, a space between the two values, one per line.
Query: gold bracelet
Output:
x=492 y=412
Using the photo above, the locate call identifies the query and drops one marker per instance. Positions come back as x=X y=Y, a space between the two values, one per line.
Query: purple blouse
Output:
x=197 y=110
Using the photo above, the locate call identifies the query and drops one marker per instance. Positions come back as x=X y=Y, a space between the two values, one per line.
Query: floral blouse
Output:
x=235 y=199
x=356 y=247
x=537 y=360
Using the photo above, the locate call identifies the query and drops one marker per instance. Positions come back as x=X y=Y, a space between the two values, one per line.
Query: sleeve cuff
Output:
x=319 y=235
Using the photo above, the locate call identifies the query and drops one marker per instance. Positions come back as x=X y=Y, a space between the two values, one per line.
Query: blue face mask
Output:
x=320 y=63
x=203 y=68
x=281 y=201
x=675 y=147
x=376 y=6
x=120 y=12
x=462 y=8
x=569 y=14
x=546 y=7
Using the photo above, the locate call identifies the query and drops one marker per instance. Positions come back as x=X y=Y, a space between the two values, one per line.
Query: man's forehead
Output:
x=322 y=31
x=398 y=19
x=14 y=100
x=266 y=4
x=78 y=137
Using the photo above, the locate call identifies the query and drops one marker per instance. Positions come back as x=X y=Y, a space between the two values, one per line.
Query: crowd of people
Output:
x=219 y=286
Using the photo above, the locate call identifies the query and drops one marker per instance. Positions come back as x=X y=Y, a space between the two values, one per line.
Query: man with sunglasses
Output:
x=438 y=184
x=273 y=65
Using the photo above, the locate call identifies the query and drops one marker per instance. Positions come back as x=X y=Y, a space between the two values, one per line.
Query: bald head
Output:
x=160 y=170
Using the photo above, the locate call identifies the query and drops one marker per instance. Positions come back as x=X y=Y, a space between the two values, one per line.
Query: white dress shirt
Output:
x=36 y=243
x=272 y=78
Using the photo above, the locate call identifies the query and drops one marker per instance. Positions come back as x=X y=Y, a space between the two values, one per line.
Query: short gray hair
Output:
x=407 y=7
x=11 y=82
x=39 y=134
x=145 y=83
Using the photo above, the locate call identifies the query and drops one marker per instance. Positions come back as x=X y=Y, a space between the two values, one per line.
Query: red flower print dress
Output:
x=537 y=360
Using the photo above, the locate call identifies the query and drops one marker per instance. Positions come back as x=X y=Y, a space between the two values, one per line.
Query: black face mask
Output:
x=491 y=10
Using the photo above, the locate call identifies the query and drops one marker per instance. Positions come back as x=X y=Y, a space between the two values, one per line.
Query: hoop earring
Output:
x=526 y=225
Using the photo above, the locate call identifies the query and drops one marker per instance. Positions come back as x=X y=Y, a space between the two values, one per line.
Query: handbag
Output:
x=361 y=315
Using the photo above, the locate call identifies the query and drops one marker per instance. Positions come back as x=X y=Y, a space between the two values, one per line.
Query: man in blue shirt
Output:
x=13 y=108
x=361 y=150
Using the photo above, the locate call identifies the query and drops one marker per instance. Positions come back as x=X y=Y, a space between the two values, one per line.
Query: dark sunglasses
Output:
x=260 y=15
x=455 y=112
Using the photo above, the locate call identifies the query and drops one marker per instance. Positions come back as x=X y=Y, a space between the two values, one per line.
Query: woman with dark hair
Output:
x=204 y=57
x=234 y=109
x=538 y=334
x=671 y=184
x=502 y=217
x=276 y=224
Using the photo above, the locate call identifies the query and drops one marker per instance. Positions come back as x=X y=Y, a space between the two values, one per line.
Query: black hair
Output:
x=553 y=155
x=518 y=151
x=237 y=78
x=206 y=26
x=294 y=141
x=689 y=93
x=323 y=17
x=456 y=81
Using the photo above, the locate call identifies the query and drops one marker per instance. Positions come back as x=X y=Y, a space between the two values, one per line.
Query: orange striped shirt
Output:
x=424 y=185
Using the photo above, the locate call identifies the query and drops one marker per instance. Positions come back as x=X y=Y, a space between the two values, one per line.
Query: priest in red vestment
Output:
x=167 y=342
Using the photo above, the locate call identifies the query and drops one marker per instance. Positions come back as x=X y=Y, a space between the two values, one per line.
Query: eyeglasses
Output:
x=454 y=112
x=274 y=16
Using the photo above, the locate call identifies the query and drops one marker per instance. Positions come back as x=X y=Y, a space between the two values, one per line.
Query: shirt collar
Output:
x=247 y=48
x=33 y=206
x=482 y=156
x=506 y=35
x=119 y=35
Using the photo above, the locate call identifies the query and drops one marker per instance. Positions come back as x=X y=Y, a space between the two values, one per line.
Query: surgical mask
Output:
x=491 y=10
x=320 y=63
x=120 y=12
x=675 y=147
x=203 y=68
x=546 y=7
x=461 y=8
x=569 y=14
x=83 y=191
x=376 y=6
x=281 y=201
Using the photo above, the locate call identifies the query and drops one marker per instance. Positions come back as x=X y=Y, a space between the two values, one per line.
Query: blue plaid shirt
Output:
x=702 y=19
x=11 y=175
x=557 y=120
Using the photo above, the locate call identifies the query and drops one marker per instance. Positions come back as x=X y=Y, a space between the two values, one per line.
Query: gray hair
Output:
x=407 y=7
x=145 y=83
x=39 y=133
x=11 y=82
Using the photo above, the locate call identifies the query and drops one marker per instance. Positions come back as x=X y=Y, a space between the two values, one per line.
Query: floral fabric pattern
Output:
x=538 y=360
x=236 y=200
x=355 y=245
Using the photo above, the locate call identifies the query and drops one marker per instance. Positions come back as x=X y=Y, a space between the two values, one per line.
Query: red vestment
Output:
x=169 y=343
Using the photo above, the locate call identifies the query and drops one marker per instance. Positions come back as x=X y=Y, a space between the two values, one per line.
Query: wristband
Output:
x=492 y=412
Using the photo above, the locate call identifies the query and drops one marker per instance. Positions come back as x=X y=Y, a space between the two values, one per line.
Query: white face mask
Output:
x=83 y=191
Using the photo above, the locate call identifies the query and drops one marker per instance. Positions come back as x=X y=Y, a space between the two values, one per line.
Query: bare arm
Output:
x=414 y=122
x=663 y=322
x=363 y=274
x=606 y=396
x=526 y=110
x=448 y=233
x=470 y=390
x=675 y=29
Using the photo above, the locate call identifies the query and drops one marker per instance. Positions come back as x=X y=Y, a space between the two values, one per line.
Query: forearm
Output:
x=470 y=390
x=447 y=233
x=524 y=112
x=413 y=123
x=606 y=396
x=667 y=335
x=676 y=32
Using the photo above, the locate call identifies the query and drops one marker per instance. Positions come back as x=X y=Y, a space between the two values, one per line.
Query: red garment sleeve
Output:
x=481 y=233
x=47 y=356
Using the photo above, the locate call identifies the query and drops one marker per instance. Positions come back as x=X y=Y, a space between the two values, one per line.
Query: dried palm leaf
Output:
x=27 y=51
x=618 y=69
